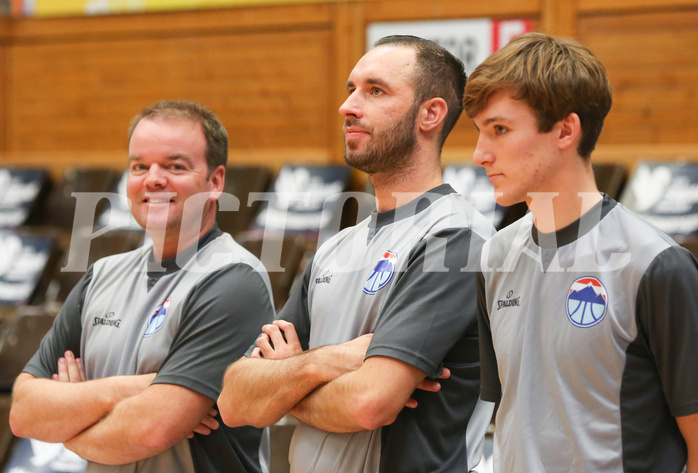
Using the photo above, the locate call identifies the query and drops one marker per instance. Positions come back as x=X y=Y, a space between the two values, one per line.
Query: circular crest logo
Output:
x=382 y=274
x=157 y=320
x=587 y=302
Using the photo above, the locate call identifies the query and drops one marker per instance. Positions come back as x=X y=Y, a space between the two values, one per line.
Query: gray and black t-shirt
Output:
x=407 y=276
x=187 y=319
x=589 y=334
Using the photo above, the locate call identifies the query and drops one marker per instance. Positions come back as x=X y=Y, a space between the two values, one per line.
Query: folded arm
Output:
x=55 y=411
x=143 y=425
x=259 y=391
x=365 y=399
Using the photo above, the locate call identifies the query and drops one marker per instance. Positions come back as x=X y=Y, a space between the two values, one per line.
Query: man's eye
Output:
x=376 y=91
x=499 y=130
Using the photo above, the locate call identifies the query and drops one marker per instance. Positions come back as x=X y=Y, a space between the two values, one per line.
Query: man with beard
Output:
x=387 y=306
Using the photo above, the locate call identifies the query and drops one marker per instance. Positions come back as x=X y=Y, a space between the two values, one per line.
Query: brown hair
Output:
x=439 y=74
x=553 y=76
x=216 y=137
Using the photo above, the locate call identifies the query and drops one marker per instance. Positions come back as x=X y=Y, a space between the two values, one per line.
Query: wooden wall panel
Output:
x=275 y=75
x=652 y=62
x=86 y=92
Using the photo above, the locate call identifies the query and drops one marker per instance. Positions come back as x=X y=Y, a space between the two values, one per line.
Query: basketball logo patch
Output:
x=382 y=274
x=587 y=301
x=157 y=320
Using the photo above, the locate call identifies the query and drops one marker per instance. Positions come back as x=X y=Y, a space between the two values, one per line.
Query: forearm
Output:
x=55 y=411
x=333 y=407
x=689 y=429
x=114 y=441
x=142 y=426
x=366 y=399
x=259 y=391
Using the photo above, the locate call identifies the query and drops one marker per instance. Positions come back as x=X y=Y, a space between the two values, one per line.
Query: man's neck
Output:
x=393 y=190
x=574 y=194
x=169 y=246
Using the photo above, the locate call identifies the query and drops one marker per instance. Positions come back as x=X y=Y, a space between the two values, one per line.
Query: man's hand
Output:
x=279 y=340
x=208 y=424
x=69 y=369
x=429 y=385
x=349 y=356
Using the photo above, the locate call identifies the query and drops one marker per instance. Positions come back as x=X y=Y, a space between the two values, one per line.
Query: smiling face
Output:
x=517 y=157
x=380 y=113
x=167 y=168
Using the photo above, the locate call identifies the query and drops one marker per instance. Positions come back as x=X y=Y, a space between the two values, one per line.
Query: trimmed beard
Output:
x=388 y=151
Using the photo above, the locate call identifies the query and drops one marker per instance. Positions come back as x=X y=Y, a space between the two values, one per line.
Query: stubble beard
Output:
x=389 y=151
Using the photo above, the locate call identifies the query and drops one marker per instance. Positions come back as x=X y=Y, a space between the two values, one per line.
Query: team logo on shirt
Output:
x=587 y=301
x=382 y=274
x=157 y=320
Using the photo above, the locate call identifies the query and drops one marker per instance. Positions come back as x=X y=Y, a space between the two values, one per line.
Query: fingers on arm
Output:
x=70 y=369
x=289 y=332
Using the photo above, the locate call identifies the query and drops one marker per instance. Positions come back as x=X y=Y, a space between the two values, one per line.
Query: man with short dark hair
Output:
x=129 y=374
x=386 y=305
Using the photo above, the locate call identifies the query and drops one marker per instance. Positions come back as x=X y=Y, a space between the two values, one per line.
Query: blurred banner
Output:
x=46 y=8
x=470 y=40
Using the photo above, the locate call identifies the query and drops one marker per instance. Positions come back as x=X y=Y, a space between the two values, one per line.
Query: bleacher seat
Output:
x=20 y=340
x=117 y=214
x=26 y=264
x=33 y=456
x=22 y=196
x=297 y=196
x=240 y=181
x=610 y=178
x=282 y=256
x=666 y=194
x=60 y=206
x=5 y=432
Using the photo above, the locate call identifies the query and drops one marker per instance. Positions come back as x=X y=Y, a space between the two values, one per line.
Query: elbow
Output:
x=16 y=424
x=233 y=415
x=236 y=408
x=158 y=438
x=228 y=413
x=373 y=411
x=20 y=424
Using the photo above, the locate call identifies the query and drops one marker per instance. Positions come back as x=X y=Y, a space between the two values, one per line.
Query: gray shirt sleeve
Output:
x=431 y=311
x=223 y=315
x=64 y=335
x=668 y=324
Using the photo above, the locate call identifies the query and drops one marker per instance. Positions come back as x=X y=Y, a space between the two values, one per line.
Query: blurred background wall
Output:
x=275 y=74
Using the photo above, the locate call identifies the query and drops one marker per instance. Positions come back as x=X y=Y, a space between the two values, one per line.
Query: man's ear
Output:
x=216 y=181
x=432 y=113
x=570 y=131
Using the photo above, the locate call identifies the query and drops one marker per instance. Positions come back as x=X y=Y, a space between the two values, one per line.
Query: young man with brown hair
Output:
x=588 y=314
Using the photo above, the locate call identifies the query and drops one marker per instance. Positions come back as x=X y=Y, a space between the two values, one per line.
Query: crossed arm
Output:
x=113 y=420
x=329 y=387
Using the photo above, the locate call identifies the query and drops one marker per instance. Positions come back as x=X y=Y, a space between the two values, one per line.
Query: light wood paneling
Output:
x=276 y=74
x=407 y=10
x=559 y=18
x=270 y=89
x=652 y=62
